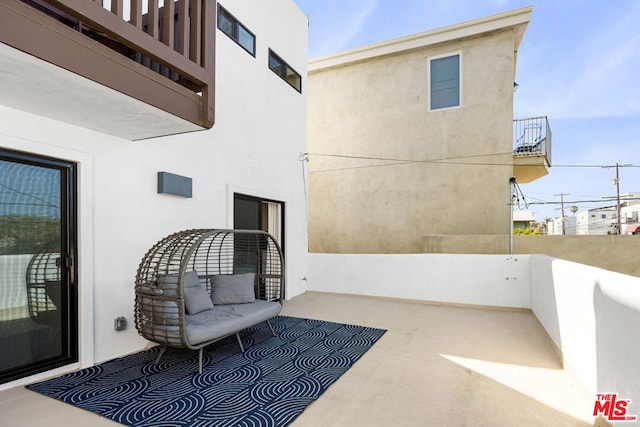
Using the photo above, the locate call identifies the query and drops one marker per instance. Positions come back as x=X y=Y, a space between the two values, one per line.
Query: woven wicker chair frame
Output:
x=43 y=278
x=160 y=313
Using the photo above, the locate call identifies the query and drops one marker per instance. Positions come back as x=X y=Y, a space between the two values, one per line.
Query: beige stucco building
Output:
x=411 y=141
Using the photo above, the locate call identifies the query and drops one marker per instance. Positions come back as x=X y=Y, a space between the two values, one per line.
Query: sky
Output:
x=578 y=64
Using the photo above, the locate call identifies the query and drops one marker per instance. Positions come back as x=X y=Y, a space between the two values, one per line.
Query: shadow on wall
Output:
x=543 y=300
x=618 y=346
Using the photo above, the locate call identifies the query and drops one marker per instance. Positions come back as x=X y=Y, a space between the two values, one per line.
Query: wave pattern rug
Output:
x=270 y=384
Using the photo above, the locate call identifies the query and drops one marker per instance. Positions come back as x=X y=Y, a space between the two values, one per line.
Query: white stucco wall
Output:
x=493 y=280
x=365 y=111
x=253 y=148
x=593 y=316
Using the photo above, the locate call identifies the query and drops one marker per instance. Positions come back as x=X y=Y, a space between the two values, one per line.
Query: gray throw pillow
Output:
x=191 y=279
x=196 y=299
x=233 y=288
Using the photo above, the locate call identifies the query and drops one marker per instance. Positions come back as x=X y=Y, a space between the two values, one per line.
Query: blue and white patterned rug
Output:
x=270 y=384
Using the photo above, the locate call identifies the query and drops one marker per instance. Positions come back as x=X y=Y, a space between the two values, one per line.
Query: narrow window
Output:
x=229 y=25
x=445 y=82
x=286 y=73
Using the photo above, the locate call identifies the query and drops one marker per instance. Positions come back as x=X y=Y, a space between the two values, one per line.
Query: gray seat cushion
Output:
x=225 y=320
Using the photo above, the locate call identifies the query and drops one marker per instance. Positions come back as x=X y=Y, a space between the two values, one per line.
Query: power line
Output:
x=578 y=201
x=444 y=160
x=455 y=160
x=396 y=161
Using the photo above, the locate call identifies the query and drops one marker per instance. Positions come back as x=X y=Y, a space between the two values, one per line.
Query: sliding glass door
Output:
x=38 y=293
x=252 y=213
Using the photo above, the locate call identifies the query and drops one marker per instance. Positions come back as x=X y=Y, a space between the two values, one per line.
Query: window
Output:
x=255 y=213
x=286 y=73
x=444 y=82
x=229 y=25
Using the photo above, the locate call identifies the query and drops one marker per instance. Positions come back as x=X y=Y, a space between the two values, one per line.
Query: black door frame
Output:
x=68 y=260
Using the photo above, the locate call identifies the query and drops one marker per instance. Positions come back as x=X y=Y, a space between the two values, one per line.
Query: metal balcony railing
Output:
x=532 y=137
x=162 y=51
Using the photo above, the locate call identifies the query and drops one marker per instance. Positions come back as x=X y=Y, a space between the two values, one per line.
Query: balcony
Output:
x=532 y=148
x=526 y=340
x=129 y=72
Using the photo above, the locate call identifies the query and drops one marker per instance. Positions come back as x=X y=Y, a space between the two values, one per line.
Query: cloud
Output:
x=345 y=27
x=598 y=78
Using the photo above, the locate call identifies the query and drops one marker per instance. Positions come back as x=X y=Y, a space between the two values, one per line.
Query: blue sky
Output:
x=578 y=64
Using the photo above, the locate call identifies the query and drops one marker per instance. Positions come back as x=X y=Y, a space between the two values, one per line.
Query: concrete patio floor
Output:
x=436 y=366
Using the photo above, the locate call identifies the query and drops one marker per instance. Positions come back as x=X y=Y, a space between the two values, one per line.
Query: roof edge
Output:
x=504 y=20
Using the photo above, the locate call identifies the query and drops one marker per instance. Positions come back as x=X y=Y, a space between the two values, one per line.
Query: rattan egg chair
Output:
x=42 y=279
x=195 y=261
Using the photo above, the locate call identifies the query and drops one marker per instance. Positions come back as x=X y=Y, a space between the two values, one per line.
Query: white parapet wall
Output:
x=492 y=280
x=591 y=314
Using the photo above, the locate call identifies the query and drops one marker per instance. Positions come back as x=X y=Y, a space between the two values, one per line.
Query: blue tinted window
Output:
x=445 y=82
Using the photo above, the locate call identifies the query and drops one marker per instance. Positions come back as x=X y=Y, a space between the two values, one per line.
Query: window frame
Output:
x=286 y=67
x=222 y=11
x=430 y=60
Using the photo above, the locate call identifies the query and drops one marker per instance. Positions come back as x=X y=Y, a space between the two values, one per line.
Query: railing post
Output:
x=136 y=13
x=195 y=26
x=182 y=30
x=153 y=19
x=168 y=25
x=116 y=7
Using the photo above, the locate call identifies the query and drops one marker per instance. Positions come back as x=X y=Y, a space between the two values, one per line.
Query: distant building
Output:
x=629 y=213
x=599 y=221
x=523 y=219
x=562 y=226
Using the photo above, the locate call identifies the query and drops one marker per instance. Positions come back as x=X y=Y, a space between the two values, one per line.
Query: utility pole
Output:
x=564 y=230
x=616 y=181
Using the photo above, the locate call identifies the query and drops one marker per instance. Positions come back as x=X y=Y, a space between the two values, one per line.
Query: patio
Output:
x=438 y=365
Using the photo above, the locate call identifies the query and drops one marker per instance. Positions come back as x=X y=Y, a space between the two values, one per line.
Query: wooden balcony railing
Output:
x=162 y=55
